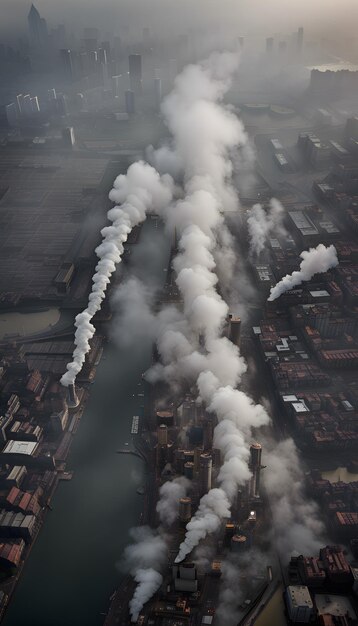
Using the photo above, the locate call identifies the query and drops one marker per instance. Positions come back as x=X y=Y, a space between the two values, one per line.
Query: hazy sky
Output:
x=319 y=17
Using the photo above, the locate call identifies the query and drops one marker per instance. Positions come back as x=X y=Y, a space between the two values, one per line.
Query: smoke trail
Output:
x=143 y=559
x=140 y=190
x=237 y=417
x=213 y=508
x=169 y=495
x=295 y=517
x=263 y=223
x=315 y=261
x=204 y=134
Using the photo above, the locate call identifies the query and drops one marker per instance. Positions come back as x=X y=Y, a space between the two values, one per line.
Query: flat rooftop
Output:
x=20 y=447
x=335 y=605
x=42 y=215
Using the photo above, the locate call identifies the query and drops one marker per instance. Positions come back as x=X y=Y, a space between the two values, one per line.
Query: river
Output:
x=71 y=571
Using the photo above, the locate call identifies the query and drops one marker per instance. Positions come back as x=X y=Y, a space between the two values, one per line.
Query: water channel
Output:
x=71 y=571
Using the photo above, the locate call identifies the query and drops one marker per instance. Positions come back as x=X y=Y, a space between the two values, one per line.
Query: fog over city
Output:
x=178 y=312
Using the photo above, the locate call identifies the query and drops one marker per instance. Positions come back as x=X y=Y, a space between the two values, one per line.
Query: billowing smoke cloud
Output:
x=169 y=495
x=315 y=261
x=213 y=508
x=262 y=223
x=205 y=133
x=237 y=417
x=144 y=559
x=140 y=190
x=296 y=522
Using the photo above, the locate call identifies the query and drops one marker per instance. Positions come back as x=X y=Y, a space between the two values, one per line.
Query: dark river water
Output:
x=71 y=571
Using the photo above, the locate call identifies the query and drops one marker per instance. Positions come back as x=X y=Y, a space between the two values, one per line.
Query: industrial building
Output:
x=299 y=604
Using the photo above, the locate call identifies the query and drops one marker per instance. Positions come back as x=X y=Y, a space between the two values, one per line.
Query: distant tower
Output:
x=157 y=93
x=269 y=45
x=241 y=42
x=11 y=114
x=130 y=102
x=206 y=464
x=135 y=73
x=37 y=27
x=35 y=107
x=68 y=137
x=300 y=40
x=67 y=63
x=255 y=466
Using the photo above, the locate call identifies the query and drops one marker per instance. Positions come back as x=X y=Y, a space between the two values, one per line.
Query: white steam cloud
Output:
x=296 y=522
x=169 y=495
x=140 y=190
x=262 y=223
x=205 y=133
x=315 y=261
x=143 y=559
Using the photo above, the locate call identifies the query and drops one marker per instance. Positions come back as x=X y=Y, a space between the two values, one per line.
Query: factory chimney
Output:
x=255 y=466
x=72 y=399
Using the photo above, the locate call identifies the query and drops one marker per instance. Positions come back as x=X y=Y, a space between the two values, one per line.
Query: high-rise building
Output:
x=35 y=106
x=269 y=45
x=130 y=102
x=68 y=136
x=255 y=466
x=157 y=93
x=26 y=105
x=67 y=63
x=37 y=27
x=19 y=103
x=11 y=114
x=146 y=36
x=135 y=73
x=117 y=85
x=205 y=470
x=241 y=42
x=300 y=40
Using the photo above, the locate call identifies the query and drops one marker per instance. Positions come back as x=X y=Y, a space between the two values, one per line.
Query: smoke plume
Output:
x=140 y=190
x=169 y=495
x=143 y=559
x=296 y=522
x=315 y=261
x=263 y=223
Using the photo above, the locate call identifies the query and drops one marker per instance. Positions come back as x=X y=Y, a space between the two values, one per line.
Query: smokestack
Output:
x=206 y=464
x=185 y=510
x=72 y=399
x=162 y=434
x=255 y=466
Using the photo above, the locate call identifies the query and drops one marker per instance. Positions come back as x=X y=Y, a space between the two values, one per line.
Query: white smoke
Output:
x=143 y=559
x=315 y=261
x=213 y=508
x=296 y=522
x=262 y=223
x=140 y=190
x=169 y=494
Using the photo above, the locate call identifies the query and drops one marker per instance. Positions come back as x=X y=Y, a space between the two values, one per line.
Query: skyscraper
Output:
x=130 y=102
x=135 y=73
x=300 y=40
x=37 y=27
x=67 y=64
x=269 y=45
